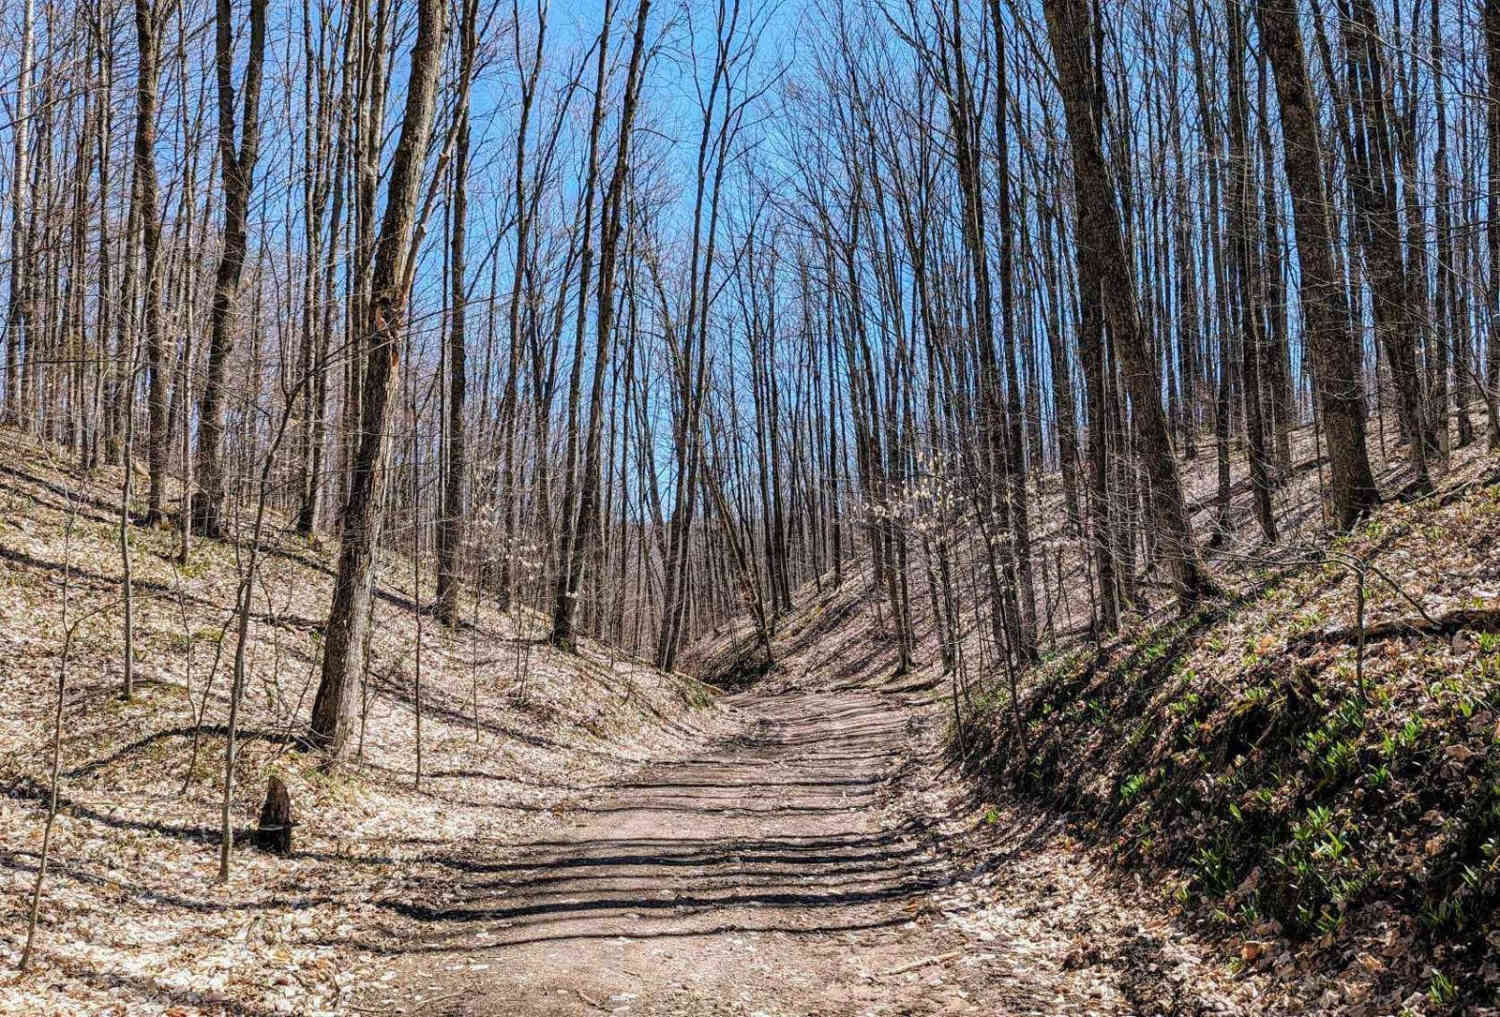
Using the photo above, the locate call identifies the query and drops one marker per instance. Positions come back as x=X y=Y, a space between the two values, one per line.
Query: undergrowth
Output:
x=1235 y=752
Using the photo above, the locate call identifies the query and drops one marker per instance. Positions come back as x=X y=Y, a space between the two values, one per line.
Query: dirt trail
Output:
x=790 y=868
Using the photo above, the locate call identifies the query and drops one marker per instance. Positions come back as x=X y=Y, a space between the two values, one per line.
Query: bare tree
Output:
x=1335 y=363
x=347 y=616
x=16 y=319
x=148 y=20
x=237 y=166
x=1100 y=241
x=581 y=528
x=451 y=509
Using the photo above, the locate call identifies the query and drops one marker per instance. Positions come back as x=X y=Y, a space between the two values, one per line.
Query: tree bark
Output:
x=1248 y=271
x=1329 y=334
x=1492 y=232
x=17 y=319
x=1100 y=240
x=348 y=617
x=587 y=477
x=1372 y=171
x=237 y=168
x=450 y=530
x=148 y=67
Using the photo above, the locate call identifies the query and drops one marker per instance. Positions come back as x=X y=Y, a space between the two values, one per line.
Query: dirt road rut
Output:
x=792 y=868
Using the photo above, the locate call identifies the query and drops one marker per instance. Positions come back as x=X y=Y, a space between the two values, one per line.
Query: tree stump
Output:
x=274 y=833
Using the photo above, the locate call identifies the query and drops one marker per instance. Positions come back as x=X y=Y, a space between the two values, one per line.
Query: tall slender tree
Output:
x=1335 y=359
x=1101 y=241
x=16 y=320
x=390 y=288
x=237 y=168
x=451 y=508
x=148 y=20
x=585 y=525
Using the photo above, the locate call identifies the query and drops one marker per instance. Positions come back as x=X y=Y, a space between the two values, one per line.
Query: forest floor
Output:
x=588 y=835
x=813 y=859
x=1333 y=842
x=132 y=920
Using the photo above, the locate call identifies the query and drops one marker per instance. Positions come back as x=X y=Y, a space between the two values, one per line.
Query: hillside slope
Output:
x=1334 y=806
x=1331 y=817
x=131 y=918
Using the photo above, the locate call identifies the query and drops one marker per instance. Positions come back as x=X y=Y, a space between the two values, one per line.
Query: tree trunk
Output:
x=1372 y=174
x=237 y=167
x=587 y=524
x=1101 y=241
x=17 y=319
x=148 y=41
x=1247 y=268
x=450 y=530
x=347 y=617
x=1330 y=338
x=1492 y=232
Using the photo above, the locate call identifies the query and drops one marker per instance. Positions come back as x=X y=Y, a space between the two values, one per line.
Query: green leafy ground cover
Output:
x=1293 y=788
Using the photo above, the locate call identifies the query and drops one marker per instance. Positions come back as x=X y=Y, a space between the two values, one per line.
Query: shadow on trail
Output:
x=780 y=828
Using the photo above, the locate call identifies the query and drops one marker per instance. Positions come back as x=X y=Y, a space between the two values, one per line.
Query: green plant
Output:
x=1339 y=759
x=196 y=567
x=1186 y=705
x=1350 y=715
x=1257 y=695
x=1098 y=712
x=1441 y=990
x=1212 y=863
x=1317 y=821
x=1410 y=731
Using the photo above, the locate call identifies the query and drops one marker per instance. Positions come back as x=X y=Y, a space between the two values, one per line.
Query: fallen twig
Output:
x=941 y=958
x=1477 y=619
x=416 y=1007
